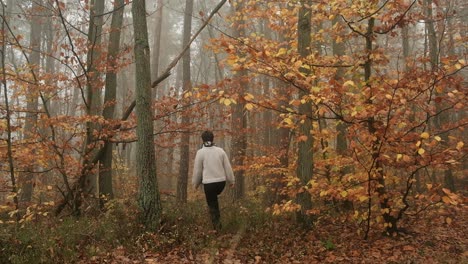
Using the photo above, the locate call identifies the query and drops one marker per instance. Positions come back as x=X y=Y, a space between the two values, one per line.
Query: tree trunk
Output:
x=442 y=118
x=11 y=165
x=93 y=97
x=239 y=120
x=186 y=78
x=157 y=42
x=26 y=179
x=110 y=96
x=305 y=160
x=149 y=201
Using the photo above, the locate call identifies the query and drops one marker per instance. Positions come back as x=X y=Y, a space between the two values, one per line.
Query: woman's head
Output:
x=207 y=136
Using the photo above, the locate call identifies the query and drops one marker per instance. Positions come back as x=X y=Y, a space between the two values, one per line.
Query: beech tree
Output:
x=381 y=143
x=110 y=96
x=187 y=85
x=149 y=200
x=305 y=140
x=26 y=178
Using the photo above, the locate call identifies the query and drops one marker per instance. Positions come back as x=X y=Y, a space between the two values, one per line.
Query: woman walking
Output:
x=212 y=169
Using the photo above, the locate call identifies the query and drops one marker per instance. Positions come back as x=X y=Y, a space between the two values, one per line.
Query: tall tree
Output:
x=305 y=165
x=11 y=164
x=32 y=97
x=187 y=84
x=239 y=119
x=435 y=49
x=110 y=96
x=149 y=200
x=156 y=51
x=93 y=90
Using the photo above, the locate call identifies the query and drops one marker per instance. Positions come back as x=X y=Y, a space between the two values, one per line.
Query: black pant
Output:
x=212 y=190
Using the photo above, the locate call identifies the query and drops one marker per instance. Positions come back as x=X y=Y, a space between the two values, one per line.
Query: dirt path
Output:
x=233 y=246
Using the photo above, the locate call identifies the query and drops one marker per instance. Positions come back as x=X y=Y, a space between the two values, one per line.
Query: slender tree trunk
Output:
x=157 y=42
x=26 y=179
x=341 y=142
x=239 y=120
x=110 y=96
x=93 y=98
x=442 y=118
x=186 y=78
x=11 y=165
x=149 y=200
x=305 y=160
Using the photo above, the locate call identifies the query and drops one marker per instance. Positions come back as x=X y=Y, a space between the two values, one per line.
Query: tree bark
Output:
x=149 y=201
x=239 y=120
x=93 y=98
x=157 y=42
x=26 y=179
x=11 y=165
x=186 y=78
x=305 y=160
x=110 y=96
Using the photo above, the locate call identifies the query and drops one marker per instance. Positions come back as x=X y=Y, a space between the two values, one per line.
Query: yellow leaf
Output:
x=437 y=138
x=248 y=97
x=281 y=51
x=418 y=144
x=288 y=121
x=249 y=106
x=344 y=193
x=421 y=151
x=349 y=83
x=315 y=89
x=460 y=145
x=363 y=198
x=425 y=135
x=448 y=220
x=323 y=193
x=187 y=94
x=227 y=102
x=399 y=156
x=458 y=66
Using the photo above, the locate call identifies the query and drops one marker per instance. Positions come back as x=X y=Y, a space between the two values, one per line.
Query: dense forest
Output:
x=344 y=122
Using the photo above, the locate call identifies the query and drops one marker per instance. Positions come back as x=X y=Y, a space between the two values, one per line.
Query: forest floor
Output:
x=249 y=235
x=427 y=241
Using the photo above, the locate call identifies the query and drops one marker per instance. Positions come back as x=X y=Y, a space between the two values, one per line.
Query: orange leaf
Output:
x=408 y=248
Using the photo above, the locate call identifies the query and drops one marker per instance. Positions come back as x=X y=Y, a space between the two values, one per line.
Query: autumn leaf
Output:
x=349 y=83
x=425 y=135
x=448 y=220
x=399 y=156
x=249 y=106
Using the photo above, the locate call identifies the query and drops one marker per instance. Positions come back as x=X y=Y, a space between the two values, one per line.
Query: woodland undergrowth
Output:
x=249 y=235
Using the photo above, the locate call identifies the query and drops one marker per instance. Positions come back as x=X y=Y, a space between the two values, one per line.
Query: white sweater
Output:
x=211 y=165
